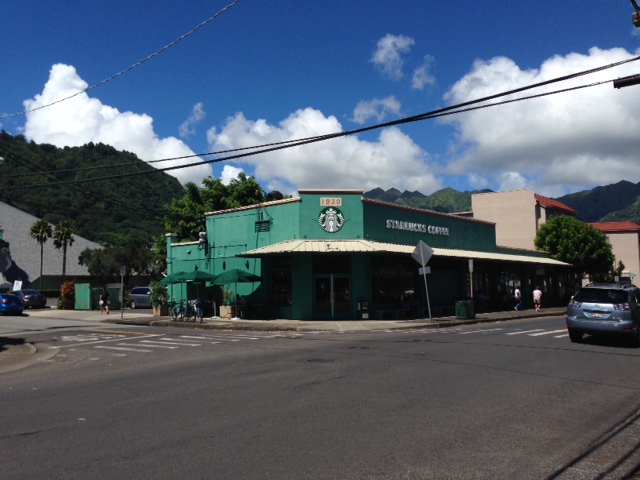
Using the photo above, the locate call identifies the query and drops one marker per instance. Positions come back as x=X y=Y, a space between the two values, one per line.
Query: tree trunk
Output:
x=64 y=263
x=41 y=261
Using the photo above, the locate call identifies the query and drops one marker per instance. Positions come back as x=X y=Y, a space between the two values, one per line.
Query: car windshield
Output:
x=29 y=292
x=601 y=295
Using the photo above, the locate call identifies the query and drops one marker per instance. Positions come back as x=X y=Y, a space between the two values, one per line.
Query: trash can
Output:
x=464 y=310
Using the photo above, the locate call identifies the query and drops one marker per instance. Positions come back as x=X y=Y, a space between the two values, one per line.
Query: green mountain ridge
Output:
x=610 y=203
x=111 y=211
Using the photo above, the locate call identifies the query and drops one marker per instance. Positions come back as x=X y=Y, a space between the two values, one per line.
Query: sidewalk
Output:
x=145 y=317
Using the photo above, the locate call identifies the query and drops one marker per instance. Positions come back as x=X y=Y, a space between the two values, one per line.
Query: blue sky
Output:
x=264 y=72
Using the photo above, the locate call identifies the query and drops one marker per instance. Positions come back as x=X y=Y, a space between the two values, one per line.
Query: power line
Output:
x=135 y=65
x=453 y=109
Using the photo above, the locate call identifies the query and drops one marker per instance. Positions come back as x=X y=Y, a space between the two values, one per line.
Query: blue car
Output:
x=10 y=304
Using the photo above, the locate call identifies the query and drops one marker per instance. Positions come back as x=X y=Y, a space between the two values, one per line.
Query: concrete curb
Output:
x=315 y=326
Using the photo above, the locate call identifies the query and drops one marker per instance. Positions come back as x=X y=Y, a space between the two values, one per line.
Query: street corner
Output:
x=15 y=354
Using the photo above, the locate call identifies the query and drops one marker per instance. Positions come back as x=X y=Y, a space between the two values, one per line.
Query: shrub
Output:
x=67 y=296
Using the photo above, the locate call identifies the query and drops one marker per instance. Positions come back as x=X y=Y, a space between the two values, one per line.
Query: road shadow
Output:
x=6 y=342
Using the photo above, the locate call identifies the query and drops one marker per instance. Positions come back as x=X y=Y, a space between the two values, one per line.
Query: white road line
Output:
x=561 y=336
x=229 y=338
x=548 y=333
x=525 y=332
x=125 y=349
x=170 y=342
x=97 y=341
x=169 y=347
x=481 y=331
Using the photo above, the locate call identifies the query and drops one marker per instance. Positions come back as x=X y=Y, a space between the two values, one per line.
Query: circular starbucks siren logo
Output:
x=331 y=219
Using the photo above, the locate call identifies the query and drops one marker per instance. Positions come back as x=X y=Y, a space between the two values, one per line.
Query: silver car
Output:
x=605 y=309
x=140 y=297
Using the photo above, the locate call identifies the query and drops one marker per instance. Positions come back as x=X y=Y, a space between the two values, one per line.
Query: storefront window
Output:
x=393 y=279
x=281 y=281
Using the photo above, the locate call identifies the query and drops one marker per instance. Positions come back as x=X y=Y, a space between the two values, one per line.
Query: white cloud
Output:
x=82 y=119
x=392 y=160
x=229 y=172
x=388 y=54
x=572 y=140
x=511 y=181
x=188 y=127
x=377 y=108
x=422 y=76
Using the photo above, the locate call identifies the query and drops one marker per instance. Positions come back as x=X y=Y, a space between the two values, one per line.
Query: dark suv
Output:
x=140 y=297
x=605 y=308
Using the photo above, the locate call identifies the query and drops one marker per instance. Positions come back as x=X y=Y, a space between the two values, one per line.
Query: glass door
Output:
x=332 y=296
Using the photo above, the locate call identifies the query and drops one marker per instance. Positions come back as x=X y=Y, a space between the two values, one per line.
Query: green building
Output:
x=332 y=254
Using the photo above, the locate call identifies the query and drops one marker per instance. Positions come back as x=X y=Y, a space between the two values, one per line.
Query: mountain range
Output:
x=111 y=197
x=611 y=203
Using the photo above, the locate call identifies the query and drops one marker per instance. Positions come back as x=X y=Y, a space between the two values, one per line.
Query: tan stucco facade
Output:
x=626 y=248
x=516 y=214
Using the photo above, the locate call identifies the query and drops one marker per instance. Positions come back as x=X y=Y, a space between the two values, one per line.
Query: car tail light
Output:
x=622 y=306
x=575 y=304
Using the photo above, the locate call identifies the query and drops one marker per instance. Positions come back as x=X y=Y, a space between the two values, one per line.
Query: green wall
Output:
x=463 y=234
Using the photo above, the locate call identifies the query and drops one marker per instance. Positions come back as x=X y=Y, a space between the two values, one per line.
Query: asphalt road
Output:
x=502 y=400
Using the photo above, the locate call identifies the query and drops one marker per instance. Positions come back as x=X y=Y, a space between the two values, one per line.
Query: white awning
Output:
x=368 y=246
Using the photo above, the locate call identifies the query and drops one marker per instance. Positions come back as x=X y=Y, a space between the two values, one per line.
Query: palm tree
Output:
x=41 y=231
x=62 y=238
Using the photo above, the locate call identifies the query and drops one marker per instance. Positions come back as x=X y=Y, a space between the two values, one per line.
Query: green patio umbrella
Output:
x=235 y=276
x=197 y=276
x=172 y=278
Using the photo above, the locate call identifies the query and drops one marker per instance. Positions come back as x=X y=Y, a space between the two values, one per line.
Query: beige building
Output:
x=518 y=214
x=624 y=238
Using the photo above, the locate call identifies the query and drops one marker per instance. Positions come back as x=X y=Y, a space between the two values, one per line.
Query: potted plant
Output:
x=226 y=309
x=159 y=297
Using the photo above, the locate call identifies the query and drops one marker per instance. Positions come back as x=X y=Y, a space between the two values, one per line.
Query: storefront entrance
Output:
x=332 y=298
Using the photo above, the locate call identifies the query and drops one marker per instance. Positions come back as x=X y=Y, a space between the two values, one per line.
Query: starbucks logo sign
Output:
x=331 y=219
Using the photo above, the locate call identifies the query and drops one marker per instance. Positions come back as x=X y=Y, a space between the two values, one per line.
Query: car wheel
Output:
x=575 y=336
x=132 y=304
x=635 y=340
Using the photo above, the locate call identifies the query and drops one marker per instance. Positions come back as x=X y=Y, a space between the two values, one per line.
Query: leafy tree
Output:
x=185 y=216
x=575 y=242
x=105 y=263
x=62 y=238
x=610 y=276
x=41 y=231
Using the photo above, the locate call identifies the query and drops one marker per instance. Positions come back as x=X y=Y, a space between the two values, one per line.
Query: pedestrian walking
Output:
x=517 y=295
x=537 y=298
x=104 y=300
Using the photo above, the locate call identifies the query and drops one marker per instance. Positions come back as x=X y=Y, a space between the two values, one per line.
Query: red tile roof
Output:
x=554 y=204
x=610 y=227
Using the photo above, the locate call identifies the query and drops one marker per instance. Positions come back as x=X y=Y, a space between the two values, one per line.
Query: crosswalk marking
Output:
x=548 y=333
x=481 y=331
x=146 y=345
x=525 y=332
x=168 y=341
x=105 y=347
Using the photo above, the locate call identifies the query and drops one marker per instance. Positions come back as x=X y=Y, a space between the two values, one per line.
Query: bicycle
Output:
x=194 y=311
x=176 y=311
